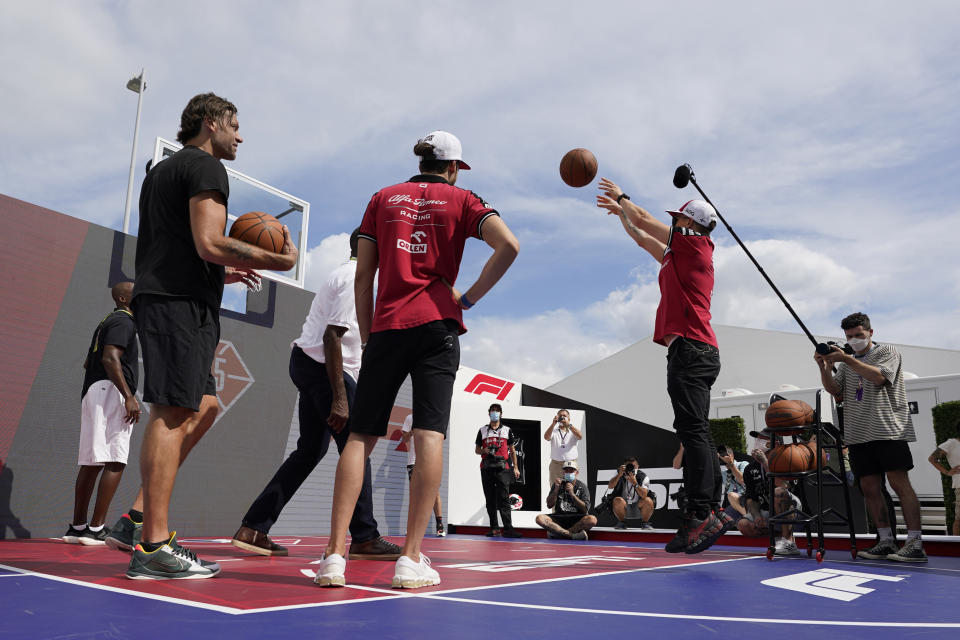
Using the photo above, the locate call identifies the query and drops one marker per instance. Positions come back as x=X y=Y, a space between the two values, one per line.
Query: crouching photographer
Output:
x=629 y=495
x=496 y=446
x=570 y=500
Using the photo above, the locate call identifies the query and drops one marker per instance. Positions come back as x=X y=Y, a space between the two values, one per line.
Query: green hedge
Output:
x=729 y=431
x=945 y=419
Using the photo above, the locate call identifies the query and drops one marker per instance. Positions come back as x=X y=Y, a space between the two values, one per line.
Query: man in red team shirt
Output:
x=685 y=253
x=414 y=233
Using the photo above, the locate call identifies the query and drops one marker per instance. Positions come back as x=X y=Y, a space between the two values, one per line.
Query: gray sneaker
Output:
x=579 y=535
x=912 y=551
x=879 y=551
x=169 y=562
x=786 y=547
x=124 y=535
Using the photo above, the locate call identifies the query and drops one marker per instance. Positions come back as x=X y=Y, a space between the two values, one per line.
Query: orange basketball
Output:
x=578 y=167
x=790 y=458
x=260 y=229
x=789 y=413
x=813 y=455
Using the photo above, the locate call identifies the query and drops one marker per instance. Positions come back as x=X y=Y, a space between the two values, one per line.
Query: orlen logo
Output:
x=483 y=383
x=411 y=248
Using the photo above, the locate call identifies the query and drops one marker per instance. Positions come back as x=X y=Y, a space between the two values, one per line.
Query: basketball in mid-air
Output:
x=578 y=167
x=259 y=228
x=790 y=458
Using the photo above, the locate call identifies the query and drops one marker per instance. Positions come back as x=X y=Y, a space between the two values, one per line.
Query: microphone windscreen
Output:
x=681 y=177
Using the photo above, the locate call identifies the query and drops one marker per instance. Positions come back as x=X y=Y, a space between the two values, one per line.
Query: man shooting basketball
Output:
x=685 y=253
x=181 y=258
x=414 y=233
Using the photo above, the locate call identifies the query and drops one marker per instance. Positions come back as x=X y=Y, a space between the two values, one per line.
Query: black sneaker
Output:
x=94 y=538
x=512 y=533
x=912 y=551
x=72 y=536
x=493 y=533
x=679 y=542
x=725 y=520
x=620 y=525
x=441 y=532
x=701 y=534
x=124 y=535
x=169 y=562
x=882 y=550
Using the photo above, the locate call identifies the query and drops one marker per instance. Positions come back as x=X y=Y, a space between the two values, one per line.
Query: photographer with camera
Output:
x=731 y=470
x=629 y=495
x=570 y=500
x=868 y=379
x=496 y=446
x=563 y=438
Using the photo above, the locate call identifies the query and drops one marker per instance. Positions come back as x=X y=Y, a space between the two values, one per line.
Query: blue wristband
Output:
x=465 y=302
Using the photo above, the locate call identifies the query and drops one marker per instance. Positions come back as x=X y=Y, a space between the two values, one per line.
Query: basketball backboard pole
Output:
x=137 y=84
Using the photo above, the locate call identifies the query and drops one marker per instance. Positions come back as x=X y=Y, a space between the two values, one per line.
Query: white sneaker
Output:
x=413 y=575
x=331 y=571
x=786 y=547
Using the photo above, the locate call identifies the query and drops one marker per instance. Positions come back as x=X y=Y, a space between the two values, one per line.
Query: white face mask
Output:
x=569 y=477
x=858 y=344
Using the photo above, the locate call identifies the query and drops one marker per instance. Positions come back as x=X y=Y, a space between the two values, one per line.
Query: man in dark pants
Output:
x=324 y=365
x=685 y=252
x=496 y=446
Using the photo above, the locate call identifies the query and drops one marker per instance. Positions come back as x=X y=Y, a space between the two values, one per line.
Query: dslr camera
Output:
x=492 y=461
x=630 y=469
x=826 y=347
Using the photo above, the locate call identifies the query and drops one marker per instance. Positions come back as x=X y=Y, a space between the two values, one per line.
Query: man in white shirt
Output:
x=407 y=439
x=324 y=364
x=949 y=452
x=563 y=438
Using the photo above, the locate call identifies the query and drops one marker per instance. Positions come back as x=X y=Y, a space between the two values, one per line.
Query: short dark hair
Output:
x=495 y=406
x=630 y=459
x=203 y=106
x=354 y=242
x=699 y=228
x=857 y=319
x=428 y=162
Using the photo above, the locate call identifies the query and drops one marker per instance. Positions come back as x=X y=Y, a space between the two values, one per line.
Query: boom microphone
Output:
x=681 y=177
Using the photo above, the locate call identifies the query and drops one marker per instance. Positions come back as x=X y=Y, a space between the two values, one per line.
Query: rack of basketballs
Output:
x=802 y=442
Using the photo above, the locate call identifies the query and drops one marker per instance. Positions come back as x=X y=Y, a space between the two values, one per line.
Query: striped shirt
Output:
x=875 y=412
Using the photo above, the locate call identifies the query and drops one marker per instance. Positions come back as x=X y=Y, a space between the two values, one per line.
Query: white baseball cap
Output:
x=446 y=146
x=700 y=211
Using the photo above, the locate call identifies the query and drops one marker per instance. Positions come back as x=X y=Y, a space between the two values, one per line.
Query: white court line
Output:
x=681 y=616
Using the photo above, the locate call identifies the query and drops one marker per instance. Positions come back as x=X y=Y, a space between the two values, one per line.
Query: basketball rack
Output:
x=829 y=438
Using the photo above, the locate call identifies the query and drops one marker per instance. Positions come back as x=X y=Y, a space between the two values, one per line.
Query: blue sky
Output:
x=826 y=133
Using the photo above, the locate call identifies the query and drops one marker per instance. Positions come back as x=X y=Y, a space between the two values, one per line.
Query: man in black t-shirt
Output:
x=183 y=261
x=496 y=445
x=109 y=409
x=570 y=500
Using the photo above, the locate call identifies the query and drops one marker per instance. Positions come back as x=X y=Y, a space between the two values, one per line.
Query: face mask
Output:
x=569 y=477
x=494 y=415
x=858 y=344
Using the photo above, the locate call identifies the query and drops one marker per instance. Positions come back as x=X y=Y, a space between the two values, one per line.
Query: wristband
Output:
x=622 y=196
x=465 y=302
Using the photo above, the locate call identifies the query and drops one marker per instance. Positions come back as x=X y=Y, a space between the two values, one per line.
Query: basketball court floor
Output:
x=526 y=588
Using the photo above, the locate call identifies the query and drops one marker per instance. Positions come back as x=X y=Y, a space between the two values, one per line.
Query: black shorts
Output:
x=566 y=520
x=410 y=471
x=429 y=354
x=879 y=456
x=178 y=338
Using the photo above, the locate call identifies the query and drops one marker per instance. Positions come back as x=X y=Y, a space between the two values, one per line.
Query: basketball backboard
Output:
x=249 y=194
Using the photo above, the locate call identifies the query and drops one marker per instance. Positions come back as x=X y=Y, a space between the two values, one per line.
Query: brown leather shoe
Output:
x=252 y=540
x=376 y=549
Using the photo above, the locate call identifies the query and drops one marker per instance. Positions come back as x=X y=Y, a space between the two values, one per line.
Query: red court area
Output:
x=251 y=583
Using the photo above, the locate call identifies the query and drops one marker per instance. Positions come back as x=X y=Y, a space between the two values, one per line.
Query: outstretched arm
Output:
x=637 y=215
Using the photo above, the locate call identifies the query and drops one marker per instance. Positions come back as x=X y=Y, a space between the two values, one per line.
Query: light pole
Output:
x=138 y=85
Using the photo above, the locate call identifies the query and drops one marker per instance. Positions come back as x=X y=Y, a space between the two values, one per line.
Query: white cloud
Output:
x=324 y=258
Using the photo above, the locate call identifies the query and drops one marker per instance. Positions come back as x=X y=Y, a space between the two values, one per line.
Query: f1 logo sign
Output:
x=483 y=383
x=830 y=583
